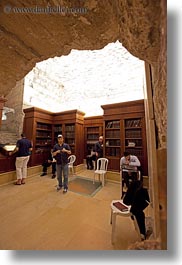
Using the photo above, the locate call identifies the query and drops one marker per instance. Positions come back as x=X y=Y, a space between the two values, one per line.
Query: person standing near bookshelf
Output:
x=23 y=150
x=61 y=151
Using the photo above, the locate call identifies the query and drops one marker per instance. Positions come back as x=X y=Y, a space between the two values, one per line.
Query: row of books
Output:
x=113 y=124
x=91 y=141
x=70 y=128
x=43 y=142
x=93 y=130
x=93 y=136
x=57 y=128
x=133 y=134
x=112 y=151
x=70 y=134
x=133 y=151
x=43 y=134
x=133 y=123
x=70 y=141
x=113 y=134
x=42 y=126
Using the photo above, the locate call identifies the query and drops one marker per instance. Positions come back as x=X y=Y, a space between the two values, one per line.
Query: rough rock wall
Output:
x=160 y=82
x=34 y=31
x=29 y=36
x=139 y=30
x=14 y=122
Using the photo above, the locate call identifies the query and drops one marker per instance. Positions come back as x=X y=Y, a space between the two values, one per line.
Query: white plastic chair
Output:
x=71 y=159
x=102 y=164
x=116 y=212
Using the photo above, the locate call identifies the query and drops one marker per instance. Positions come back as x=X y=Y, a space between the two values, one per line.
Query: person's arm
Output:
x=135 y=161
x=97 y=149
x=14 y=151
x=30 y=148
x=121 y=162
x=66 y=149
x=56 y=152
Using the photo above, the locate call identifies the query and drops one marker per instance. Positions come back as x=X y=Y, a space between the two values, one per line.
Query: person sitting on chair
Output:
x=89 y=159
x=99 y=148
x=47 y=163
x=129 y=165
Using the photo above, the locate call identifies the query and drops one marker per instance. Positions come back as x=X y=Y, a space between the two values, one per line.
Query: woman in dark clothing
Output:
x=138 y=198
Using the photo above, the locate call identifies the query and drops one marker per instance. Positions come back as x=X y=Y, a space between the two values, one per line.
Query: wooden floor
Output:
x=35 y=216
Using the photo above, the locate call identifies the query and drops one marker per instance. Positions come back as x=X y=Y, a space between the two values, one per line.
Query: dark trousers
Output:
x=140 y=217
x=126 y=178
x=46 y=164
x=89 y=161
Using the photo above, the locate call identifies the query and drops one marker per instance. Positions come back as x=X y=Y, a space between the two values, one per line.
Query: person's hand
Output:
x=64 y=150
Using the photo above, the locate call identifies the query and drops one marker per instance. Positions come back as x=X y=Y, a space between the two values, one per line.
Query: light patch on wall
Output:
x=85 y=80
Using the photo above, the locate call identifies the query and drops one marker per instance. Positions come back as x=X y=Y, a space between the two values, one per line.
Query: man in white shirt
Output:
x=129 y=165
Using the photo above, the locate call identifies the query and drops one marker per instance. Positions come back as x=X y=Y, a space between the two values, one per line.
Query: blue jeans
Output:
x=62 y=170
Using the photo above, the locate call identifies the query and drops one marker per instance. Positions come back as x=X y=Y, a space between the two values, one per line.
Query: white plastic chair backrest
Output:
x=102 y=164
x=72 y=159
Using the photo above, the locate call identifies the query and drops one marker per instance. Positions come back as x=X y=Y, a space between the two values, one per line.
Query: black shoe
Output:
x=53 y=176
x=65 y=190
x=43 y=174
x=58 y=188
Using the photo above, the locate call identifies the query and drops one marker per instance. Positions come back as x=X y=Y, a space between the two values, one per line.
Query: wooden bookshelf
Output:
x=38 y=129
x=42 y=128
x=71 y=125
x=124 y=130
x=93 y=128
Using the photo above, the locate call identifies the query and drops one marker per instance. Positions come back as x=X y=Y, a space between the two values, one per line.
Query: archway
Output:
x=29 y=36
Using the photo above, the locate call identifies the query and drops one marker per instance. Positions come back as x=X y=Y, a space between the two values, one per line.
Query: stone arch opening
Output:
x=28 y=36
x=85 y=80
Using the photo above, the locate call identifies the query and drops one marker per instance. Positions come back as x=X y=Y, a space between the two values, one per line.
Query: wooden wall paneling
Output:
x=79 y=144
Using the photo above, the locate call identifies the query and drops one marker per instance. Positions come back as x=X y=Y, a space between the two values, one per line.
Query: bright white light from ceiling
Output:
x=85 y=80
